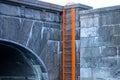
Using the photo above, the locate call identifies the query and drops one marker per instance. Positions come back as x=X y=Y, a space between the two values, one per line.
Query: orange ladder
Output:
x=68 y=44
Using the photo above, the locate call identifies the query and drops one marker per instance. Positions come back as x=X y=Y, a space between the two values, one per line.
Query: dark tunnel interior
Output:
x=14 y=64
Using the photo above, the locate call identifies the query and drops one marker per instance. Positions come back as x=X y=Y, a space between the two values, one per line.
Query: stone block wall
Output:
x=100 y=44
x=35 y=26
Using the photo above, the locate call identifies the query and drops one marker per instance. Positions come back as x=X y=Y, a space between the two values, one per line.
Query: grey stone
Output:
x=25 y=27
x=10 y=28
x=116 y=29
x=89 y=32
x=101 y=73
x=51 y=25
x=116 y=40
x=28 y=13
x=109 y=51
x=89 y=42
x=78 y=34
x=90 y=52
x=85 y=7
x=36 y=14
x=37 y=37
x=77 y=46
x=109 y=18
x=89 y=62
x=78 y=69
x=77 y=57
x=9 y=10
x=89 y=20
x=2 y=24
x=100 y=10
x=54 y=34
x=108 y=62
x=106 y=31
x=86 y=73
x=119 y=51
x=86 y=42
x=52 y=17
x=33 y=1
x=49 y=56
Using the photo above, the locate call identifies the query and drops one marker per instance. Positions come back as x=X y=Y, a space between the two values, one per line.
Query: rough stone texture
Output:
x=27 y=26
x=9 y=9
x=50 y=55
x=99 y=44
x=7 y=29
x=37 y=26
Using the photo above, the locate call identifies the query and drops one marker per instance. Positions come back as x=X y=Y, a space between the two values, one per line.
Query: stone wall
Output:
x=100 y=44
x=36 y=26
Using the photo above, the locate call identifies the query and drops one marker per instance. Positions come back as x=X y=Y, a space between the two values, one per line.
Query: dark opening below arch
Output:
x=19 y=63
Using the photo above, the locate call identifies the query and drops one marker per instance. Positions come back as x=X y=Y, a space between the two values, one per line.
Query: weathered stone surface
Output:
x=78 y=69
x=109 y=18
x=52 y=17
x=89 y=21
x=77 y=46
x=9 y=10
x=28 y=13
x=90 y=52
x=119 y=51
x=116 y=40
x=36 y=14
x=24 y=31
x=33 y=1
x=89 y=42
x=10 y=28
x=108 y=51
x=38 y=37
x=100 y=52
x=89 y=32
x=38 y=25
x=78 y=34
x=51 y=25
x=89 y=62
x=54 y=34
x=101 y=73
x=105 y=31
x=116 y=29
x=51 y=58
x=86 y=73
x=108 y=62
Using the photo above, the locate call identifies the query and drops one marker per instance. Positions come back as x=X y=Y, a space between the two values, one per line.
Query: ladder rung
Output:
x=68 y=66
x=68 y=79
x=68 y=41
x=68 y=60
x=67 y=73
x=68 y=47
x=67 y=34
x=68 y=52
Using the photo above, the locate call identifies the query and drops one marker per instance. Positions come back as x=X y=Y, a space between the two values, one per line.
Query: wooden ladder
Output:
x=68 y=45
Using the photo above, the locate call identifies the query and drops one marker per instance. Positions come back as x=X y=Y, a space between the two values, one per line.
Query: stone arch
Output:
x=19 y=62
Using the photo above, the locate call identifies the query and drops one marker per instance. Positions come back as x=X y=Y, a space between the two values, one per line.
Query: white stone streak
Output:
x=42 y=34
x=58 y=50
x=30 y=34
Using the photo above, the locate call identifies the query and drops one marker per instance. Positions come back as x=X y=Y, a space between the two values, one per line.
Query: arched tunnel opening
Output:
x=19 y=63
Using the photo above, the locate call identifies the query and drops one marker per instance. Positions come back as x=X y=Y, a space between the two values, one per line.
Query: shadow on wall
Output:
x=18 y=62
